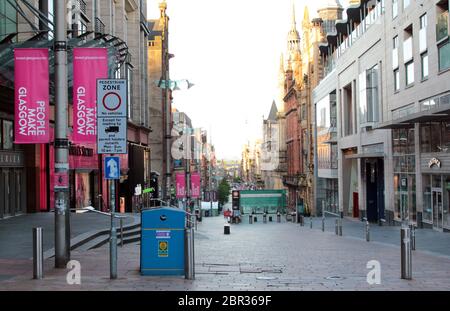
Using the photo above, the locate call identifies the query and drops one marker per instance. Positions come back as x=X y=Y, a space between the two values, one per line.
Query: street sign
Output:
x=112 y=116
x=112 y=98
x=112 y=135
x=112 y=168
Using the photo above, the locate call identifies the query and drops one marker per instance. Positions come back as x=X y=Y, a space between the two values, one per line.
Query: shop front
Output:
x=436 y=192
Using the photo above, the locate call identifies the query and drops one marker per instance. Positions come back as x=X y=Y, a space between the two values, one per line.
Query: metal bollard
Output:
x=340 y=226
x=264 y=218
x=294 y=217
x=336 y=226
x=113 y=254
x=121 y=232
x=406 y=256
x=250 y=219
x=323 y=223
x=310 y=222
x=413 y=237
x=278 y=217
x=189 y=271
x=38 y=254
x=367 y=231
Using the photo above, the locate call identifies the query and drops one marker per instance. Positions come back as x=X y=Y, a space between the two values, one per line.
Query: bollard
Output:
x=264 y=218
x=255 y=219
x=189 y=271
x=336 y=226
x=113 y=254
x=38 y=254
x=310 y=222
x=270 y=218
x=250 y=219
x=323 y=223
x=406 y=258
x=121 y=232
x=294 y=217
x=413 y=237
x=278 y=217
x=226 y=229
x=340 y=226
x=367 y=231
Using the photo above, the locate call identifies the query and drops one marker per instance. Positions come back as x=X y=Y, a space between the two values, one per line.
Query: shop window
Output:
x=435 y=137
x=427 y=214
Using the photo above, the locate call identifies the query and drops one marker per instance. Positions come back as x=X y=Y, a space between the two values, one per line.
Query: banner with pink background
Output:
x=181 y=185
x=195 y=185
x=89 y=64
x=31 y=96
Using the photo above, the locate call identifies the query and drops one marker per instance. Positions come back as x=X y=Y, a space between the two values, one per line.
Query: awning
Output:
x=365 y=155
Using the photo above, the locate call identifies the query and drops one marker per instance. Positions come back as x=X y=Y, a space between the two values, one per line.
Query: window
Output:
x=8 y=19
x=395 y=52
x=7 y=135
x=444 y=56
x=408 y=45
x=409 y=69
x=423 y=33
x=406 y=3
x=394 y=8
x=435 y=137
x=396 y=80
x=368 y=91
x=442 y=27
x=424 y=66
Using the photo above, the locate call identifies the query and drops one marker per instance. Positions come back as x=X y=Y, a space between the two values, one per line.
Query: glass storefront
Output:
x=404 y=174
x=436 y=200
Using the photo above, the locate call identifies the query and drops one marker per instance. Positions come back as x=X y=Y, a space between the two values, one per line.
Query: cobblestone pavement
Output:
x=272 y=256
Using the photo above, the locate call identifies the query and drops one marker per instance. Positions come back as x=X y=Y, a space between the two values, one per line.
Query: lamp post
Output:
x=174 y=85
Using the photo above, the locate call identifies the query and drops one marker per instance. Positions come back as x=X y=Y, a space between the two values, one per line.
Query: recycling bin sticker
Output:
x=163 y=249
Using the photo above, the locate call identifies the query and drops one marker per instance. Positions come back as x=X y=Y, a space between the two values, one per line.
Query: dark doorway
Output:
x=375 y=189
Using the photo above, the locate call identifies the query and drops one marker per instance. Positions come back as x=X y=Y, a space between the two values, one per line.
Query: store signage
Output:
x=434 y=162
x=31 y=96
x=81 y=151
x=89 y=65
x=112 y=116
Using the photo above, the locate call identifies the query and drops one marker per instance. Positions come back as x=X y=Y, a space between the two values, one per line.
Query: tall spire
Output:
x=293 y=35
x=293 y=23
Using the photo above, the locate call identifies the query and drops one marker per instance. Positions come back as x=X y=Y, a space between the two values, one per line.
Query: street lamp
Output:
x=173 y=85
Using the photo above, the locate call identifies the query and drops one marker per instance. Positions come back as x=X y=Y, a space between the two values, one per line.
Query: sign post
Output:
x=112 y=139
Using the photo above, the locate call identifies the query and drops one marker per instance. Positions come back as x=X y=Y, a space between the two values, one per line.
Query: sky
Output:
x=230 y=50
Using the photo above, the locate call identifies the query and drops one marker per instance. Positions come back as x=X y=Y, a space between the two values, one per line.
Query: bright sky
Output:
x=230 y=50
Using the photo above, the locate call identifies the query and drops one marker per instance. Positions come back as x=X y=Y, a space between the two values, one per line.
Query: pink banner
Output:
x=195 y=185
x=89 y=64
x=181 y=186
x=31 y=95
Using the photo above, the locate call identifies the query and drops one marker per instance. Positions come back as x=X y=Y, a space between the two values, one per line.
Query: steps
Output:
x=95 y=239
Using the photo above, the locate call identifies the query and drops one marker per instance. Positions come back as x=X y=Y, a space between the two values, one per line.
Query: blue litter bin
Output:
x=162 y=241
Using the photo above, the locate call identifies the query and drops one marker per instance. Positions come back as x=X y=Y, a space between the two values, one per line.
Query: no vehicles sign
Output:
x=112 y=116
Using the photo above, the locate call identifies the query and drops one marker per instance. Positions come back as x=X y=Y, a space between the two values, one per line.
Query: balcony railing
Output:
x=371 y=19
x=442 y=26
x=435 y=102
x=99 y=26
x=83 y=6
